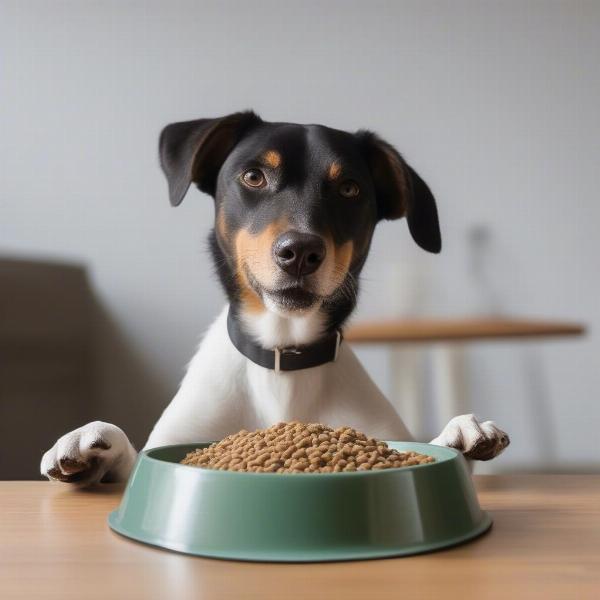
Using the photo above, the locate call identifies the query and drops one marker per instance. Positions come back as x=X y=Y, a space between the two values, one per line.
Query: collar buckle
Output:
x=291 y=350
x=279 y=352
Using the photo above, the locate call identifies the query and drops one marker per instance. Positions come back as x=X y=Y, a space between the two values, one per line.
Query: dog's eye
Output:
x=349 y=189
x=254 y=178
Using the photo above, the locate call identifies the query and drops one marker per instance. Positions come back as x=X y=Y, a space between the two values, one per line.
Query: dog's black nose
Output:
x=299 y=253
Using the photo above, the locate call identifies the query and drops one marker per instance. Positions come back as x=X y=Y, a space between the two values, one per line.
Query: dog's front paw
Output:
x=95 y=452
x=477 y=441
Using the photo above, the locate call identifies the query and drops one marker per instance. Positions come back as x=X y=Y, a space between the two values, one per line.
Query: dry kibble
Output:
x=287 y=453
x=301 y=448
x=299 y=453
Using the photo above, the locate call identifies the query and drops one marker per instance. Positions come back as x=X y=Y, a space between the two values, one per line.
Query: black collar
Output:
x=284 y=359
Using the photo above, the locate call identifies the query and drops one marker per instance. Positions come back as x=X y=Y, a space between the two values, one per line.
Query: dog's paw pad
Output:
x=483 y=449
x=56 y=474
x=69 y=465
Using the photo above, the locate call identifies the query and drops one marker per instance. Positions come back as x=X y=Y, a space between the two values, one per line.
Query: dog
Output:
x=296 y=207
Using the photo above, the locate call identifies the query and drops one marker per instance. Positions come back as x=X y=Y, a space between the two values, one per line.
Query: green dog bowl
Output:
x=300 y=517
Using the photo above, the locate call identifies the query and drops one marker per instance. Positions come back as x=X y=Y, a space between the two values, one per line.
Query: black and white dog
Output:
x=295 y=210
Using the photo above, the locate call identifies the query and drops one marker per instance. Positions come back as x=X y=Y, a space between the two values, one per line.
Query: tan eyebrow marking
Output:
x=272 y=158
x=334 y=170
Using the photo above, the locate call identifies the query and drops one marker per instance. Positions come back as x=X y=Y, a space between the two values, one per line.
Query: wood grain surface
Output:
x=545 y=543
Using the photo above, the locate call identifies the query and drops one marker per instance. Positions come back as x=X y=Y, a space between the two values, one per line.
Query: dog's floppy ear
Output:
x=194 y=151
x=401 y=192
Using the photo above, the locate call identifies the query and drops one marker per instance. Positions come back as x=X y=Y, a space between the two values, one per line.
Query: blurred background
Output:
x=105 y=290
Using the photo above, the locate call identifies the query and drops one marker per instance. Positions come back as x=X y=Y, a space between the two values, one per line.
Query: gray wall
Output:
x=496 y=105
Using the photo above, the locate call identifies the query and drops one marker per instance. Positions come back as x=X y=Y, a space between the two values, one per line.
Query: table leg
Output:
x=407 y=386
x=450 y=382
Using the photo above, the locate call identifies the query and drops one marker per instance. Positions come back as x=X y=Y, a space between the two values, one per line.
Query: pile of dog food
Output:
x=301 y=448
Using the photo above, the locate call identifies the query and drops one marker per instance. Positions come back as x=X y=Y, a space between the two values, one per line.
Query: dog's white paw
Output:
x=477 y=441
x=95 y=452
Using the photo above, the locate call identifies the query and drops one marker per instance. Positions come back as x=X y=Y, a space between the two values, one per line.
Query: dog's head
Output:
x=295 y=206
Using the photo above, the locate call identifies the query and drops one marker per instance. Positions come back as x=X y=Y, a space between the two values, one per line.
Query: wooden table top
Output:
x=440 y=330
x=545 y=543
